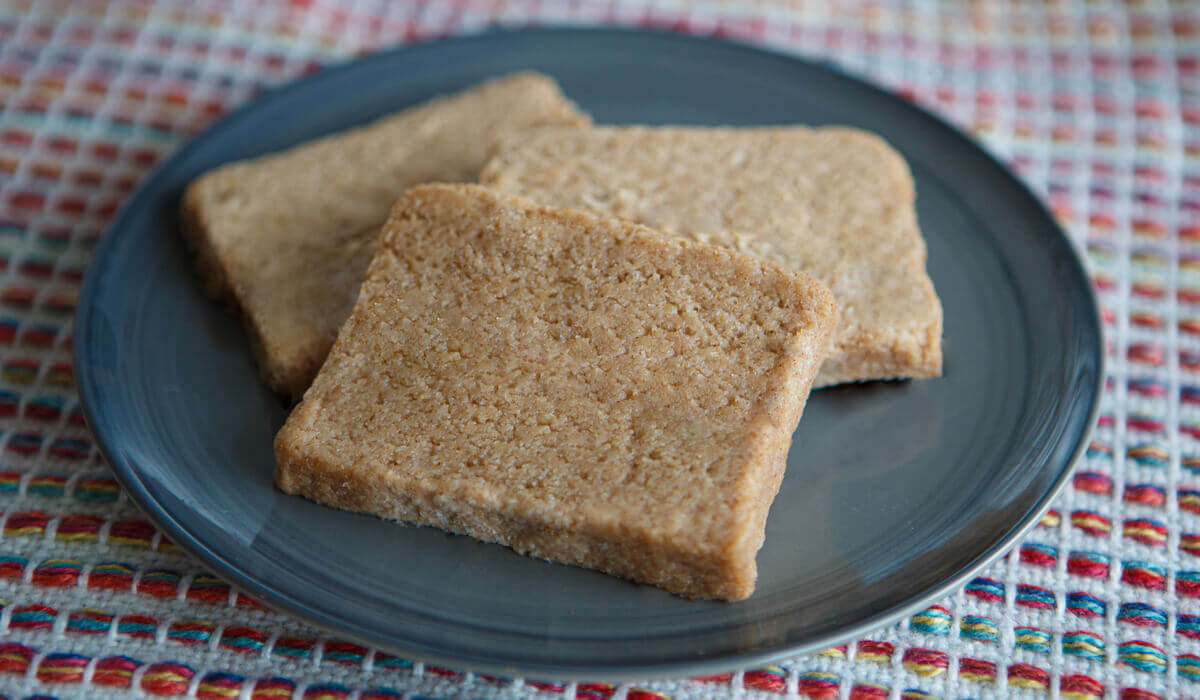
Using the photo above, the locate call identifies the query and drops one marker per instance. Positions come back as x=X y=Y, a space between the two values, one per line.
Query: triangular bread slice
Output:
x=836 y=203
x=287 y=237
x=577 y=387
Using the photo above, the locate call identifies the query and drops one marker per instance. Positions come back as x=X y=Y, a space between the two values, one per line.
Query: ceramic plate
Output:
x=894 y=494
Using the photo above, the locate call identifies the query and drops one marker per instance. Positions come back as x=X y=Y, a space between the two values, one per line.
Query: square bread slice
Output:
x=579 y=388
x=287 y=238
x=836 y=203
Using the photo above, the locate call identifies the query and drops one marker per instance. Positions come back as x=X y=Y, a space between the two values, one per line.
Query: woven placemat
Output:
x=1096 y=105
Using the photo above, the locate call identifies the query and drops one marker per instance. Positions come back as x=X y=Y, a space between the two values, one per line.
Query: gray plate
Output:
x=894 y=493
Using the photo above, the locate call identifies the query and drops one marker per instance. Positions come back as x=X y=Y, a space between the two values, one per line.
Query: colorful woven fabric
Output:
x=1095 y=104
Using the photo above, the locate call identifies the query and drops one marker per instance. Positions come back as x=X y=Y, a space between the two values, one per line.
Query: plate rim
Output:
x=129 y=477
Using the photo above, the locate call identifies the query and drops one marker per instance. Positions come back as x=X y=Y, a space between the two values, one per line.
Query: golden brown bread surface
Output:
x=836 y=203
x=579 y=388
x=287 y=237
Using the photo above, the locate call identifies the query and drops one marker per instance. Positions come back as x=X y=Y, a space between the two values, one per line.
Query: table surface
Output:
x=1096 y=105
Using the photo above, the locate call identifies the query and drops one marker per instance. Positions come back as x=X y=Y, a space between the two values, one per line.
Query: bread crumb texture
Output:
x=287 y=238
x=579 y=388
x=836 y=203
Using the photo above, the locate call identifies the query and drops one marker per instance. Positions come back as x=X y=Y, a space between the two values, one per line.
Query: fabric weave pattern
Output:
x=1096 y=105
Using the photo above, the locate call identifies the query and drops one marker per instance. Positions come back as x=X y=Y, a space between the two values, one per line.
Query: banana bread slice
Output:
x=836 y=203
x=286 y=238
x=579 y=388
